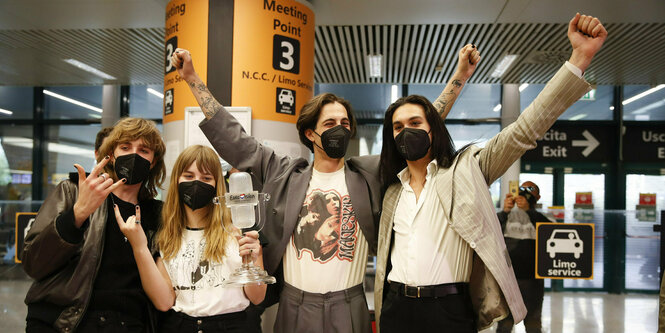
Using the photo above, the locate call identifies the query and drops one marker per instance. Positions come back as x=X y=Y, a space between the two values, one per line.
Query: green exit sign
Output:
x=590 y=96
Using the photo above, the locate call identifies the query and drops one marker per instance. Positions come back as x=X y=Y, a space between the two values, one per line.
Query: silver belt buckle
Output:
x=406 y=292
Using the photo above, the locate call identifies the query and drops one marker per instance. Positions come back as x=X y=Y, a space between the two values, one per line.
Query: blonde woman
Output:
x=199 y=249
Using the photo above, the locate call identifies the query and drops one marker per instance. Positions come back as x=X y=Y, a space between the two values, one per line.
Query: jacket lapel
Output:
x=443 y=183
x=358 y=192
x=297 y=189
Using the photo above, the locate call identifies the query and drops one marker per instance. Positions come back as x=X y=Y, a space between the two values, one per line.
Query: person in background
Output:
x=442 y=261
x=99 y=139
x=519 y=231
x=199 y=249
x=86 y=278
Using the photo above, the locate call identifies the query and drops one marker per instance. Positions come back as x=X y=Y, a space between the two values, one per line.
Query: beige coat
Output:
x=463 y=192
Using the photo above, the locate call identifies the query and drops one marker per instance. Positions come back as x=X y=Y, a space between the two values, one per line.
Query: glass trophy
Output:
x=243 y=205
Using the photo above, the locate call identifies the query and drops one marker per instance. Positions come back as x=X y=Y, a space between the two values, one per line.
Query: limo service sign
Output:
x=564 y=250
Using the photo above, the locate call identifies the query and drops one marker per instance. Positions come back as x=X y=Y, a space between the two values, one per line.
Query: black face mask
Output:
x=132 y=167
x=196 y=194
x=412 y=143
x=335 y=141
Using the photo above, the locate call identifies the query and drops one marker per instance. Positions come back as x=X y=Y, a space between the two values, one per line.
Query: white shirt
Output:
x=197 y=282
x=327 y=251
x=426 y=251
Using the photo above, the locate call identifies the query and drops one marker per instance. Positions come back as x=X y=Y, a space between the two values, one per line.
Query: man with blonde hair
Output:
x=86 y=278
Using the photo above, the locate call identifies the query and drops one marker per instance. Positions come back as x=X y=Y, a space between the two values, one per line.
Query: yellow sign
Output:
x=273 y=57
x=186 y=28
x=24 y=222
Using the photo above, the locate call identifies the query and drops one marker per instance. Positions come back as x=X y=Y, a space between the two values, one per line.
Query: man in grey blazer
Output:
x=323 y=217
x=442 y=264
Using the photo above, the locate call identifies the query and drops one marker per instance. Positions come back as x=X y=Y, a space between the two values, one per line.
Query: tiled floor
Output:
x=562 y=312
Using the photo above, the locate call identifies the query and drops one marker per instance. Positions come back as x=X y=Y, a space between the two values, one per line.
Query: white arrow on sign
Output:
x=590 y=143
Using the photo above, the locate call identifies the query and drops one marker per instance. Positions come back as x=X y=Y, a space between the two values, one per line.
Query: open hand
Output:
x=93 y=190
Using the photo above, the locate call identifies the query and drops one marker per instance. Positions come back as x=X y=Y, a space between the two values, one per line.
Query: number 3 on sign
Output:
x=286 y=54
x=170 y=46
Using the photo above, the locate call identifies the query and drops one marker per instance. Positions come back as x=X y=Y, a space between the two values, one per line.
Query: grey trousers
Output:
x=343 y=311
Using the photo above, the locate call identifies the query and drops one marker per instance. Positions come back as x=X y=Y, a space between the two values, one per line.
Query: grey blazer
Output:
x=463 y=192
x=286 y=180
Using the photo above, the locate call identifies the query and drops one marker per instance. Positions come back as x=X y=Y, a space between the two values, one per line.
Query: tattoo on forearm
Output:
x=209 y=104
x=457 y=83
x=444 y=100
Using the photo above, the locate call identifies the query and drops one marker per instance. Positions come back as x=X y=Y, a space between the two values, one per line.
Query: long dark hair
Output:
x=442 y=148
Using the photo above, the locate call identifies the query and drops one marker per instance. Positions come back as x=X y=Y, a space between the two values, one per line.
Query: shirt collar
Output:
x=404 y=175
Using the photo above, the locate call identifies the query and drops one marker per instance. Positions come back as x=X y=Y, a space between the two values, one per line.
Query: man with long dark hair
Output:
x=442 y=264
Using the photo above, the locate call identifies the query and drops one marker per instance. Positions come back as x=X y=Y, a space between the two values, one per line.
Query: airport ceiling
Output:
x=418 y=39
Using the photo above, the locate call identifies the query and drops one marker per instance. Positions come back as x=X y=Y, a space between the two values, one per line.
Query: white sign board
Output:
x=194 y=116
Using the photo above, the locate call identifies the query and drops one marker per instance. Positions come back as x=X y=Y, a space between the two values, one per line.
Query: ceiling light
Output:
x=503 y=65
x=497 y=108
x=7 y=112
x=89 y=69
x=393 y=93
x=611 y=108
x=523 y=86
x=650 y=91
x=578 y=117
x=155 y=92
x=73 y=101
x=374 y=64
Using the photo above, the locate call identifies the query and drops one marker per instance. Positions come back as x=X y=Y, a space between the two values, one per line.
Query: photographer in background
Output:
x=519 y=230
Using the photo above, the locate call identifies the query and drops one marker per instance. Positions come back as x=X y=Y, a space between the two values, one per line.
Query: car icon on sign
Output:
x=565 y=241
x=286 y=97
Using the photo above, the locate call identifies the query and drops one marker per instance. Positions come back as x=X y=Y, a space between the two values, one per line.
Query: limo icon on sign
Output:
x=565 y=241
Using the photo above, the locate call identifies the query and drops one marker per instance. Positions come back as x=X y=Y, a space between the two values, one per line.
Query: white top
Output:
x=197 y=282
x=426 y=251
x=327 y=251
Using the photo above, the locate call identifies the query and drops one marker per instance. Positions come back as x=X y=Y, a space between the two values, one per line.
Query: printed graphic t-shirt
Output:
x=198 y=282
x=327 y=251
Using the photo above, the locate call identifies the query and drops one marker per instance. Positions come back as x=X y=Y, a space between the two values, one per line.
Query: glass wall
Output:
x=16 y=102
x=596 y=105
x=73 y=102
x=476 y=100
x=68 y=144
x=15 y=162
x=146 y=101
x=644 y=103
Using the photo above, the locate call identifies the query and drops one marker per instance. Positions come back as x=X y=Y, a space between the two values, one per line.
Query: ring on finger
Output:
x=103 y=176
x=138 y=222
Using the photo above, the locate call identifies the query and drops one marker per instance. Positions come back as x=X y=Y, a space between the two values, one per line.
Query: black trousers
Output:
x=235 y=322
x=95 y=321
x=451 y=313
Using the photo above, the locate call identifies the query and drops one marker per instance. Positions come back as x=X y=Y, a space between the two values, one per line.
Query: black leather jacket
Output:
x=65 y=268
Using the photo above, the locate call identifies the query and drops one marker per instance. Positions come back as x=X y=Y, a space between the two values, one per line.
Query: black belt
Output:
x=440 y=290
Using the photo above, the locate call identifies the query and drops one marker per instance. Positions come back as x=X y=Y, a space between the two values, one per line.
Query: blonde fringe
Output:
x=169 y=237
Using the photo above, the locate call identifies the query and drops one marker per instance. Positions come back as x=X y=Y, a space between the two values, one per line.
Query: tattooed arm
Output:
x=182 y=61
x=468 y=58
